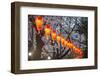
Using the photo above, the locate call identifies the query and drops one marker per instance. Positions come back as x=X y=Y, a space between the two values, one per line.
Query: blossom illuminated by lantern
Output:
x=39 y=22
x=58 y=38
x=54 y=35
x=47 y=30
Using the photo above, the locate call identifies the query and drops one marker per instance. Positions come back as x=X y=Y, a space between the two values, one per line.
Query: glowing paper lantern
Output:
x=70 y=45
x=81 y=53
x=62 y=41
x=47 y=30
x=39 y=22
x=78 y=51
x=54 y=35
x=74 y=47
x=58 y=38
x=65 y=43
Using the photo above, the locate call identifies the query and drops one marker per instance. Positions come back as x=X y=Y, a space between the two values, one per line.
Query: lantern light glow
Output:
x=58 y=38
x=47 y=30
x=39 y=22
x=62 y=41
x=53 y=35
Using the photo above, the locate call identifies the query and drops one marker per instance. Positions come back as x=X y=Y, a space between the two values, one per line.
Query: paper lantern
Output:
x=77 y=50
x=39 y=22
x=58 y=38
x=81 y=53
x=65 y=43
x=47 y=30
x=70 y=45
x=62 y=41
x=54 y=35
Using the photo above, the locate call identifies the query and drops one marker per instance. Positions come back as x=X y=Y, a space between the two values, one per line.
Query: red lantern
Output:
x=58 y=38
x=62 y=41
x=65 y=43
x=77 y=50
x=47 y=30
x=39 y=22
x=54 y=35
x=70 y=45
x=80 y=53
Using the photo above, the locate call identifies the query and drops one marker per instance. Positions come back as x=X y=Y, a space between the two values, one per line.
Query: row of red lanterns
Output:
x=56 y=37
